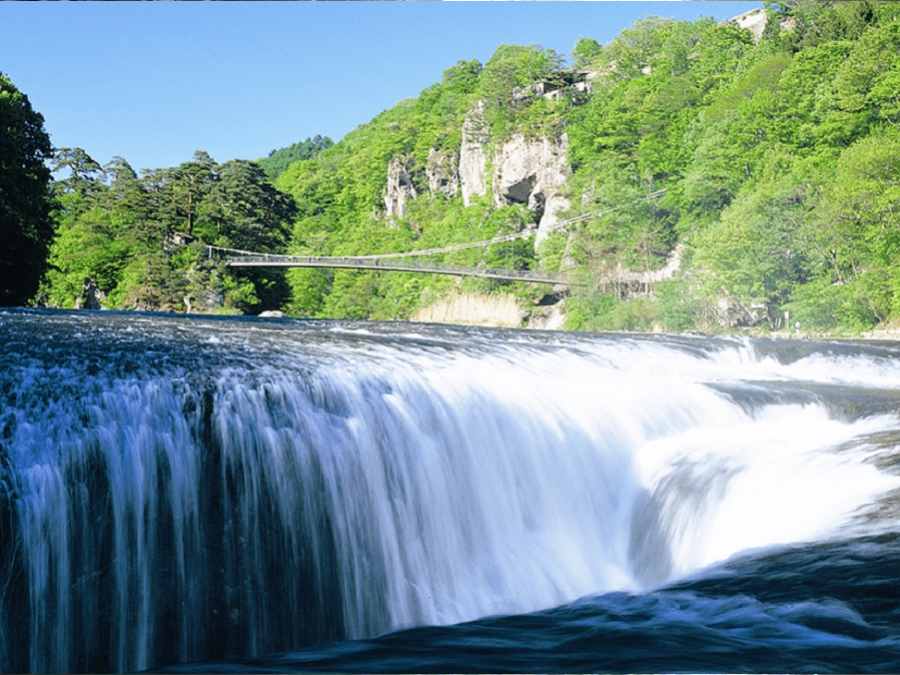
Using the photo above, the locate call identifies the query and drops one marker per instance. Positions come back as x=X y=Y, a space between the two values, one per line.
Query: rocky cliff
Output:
x=399 y=188
x=472 y=154
x=534 y=172
x=442 y=173
x=528 y=171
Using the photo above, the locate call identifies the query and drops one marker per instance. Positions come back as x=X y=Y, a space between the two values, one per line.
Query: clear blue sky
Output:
x=155 y=81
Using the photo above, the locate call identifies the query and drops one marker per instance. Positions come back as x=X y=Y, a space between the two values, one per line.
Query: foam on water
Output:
x=354 y=481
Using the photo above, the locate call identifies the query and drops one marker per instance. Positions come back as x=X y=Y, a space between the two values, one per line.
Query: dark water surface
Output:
x=200 y=494
x=821 y=608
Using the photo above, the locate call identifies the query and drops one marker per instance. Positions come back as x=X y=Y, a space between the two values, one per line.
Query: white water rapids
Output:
x=348 y=485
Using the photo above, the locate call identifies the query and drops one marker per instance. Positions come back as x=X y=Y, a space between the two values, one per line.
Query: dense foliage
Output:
x=773 y=164
x=779 y=160
x=139 y=242
x=24 y=196
x=281 y=158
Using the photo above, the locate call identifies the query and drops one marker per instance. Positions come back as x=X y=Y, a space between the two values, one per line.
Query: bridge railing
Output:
x=416 y=253
x=352 y=262
x=386 y=261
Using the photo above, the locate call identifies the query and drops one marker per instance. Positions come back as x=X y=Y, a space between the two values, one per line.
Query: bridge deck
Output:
x=380 y=264
x=404 y=262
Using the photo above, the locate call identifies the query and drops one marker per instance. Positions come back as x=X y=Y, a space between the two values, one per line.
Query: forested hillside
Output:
x=765 y=170
x=776 y=166
x=280 y=159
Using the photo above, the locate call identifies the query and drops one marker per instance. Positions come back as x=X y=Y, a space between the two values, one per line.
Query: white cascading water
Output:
x=348 y=491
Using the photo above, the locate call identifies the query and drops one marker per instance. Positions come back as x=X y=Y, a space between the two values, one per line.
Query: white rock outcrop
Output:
x=534 y=172
x=399 y=188
x=755 y=21
x=474 y=309
x=441 y=172
x=732 y=313
x=648 y=278
x=550 y=317
x=472 y=156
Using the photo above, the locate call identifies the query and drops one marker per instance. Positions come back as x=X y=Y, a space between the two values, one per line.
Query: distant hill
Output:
x=281 y=158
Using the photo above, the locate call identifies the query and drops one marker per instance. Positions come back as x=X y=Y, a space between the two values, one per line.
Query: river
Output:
x=199 y=493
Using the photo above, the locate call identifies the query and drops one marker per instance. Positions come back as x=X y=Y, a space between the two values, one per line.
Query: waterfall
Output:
x=198 y=490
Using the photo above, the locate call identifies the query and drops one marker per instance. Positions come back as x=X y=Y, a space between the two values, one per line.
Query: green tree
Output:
x=512 y=67
x=125 y=234
x=756 y=252
x=87 y=248
x=190 y=182
x=25 y=200
x=854 y=239
x=585 y=52
x=84 y=175
x=243 y=210
x=278 y=160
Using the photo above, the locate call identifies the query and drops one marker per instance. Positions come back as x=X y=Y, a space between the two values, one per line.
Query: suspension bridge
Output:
x=407 y=261
x=395 y=262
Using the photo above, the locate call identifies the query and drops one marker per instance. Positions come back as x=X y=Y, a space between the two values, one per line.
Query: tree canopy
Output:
x=280 y=159
x=25 y=198
x=140 y=240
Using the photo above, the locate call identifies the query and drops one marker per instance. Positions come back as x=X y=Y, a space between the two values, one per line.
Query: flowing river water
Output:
x=243 y=494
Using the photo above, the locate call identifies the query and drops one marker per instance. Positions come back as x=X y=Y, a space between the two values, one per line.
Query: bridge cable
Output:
x=444 y=249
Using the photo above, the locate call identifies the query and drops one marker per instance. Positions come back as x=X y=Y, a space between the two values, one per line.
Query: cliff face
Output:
x=472 y=155
x=514 y=169
x=534 y=172
x=755 y=21
x=442 y=173
x=528 y=171
x=399 y=188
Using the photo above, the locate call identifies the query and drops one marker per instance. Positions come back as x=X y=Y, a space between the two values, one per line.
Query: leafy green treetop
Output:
x=586 y=50
x=280 y=159
x=25 y=200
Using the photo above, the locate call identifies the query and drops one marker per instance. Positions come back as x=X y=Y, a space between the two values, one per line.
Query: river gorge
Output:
x=244 y=494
